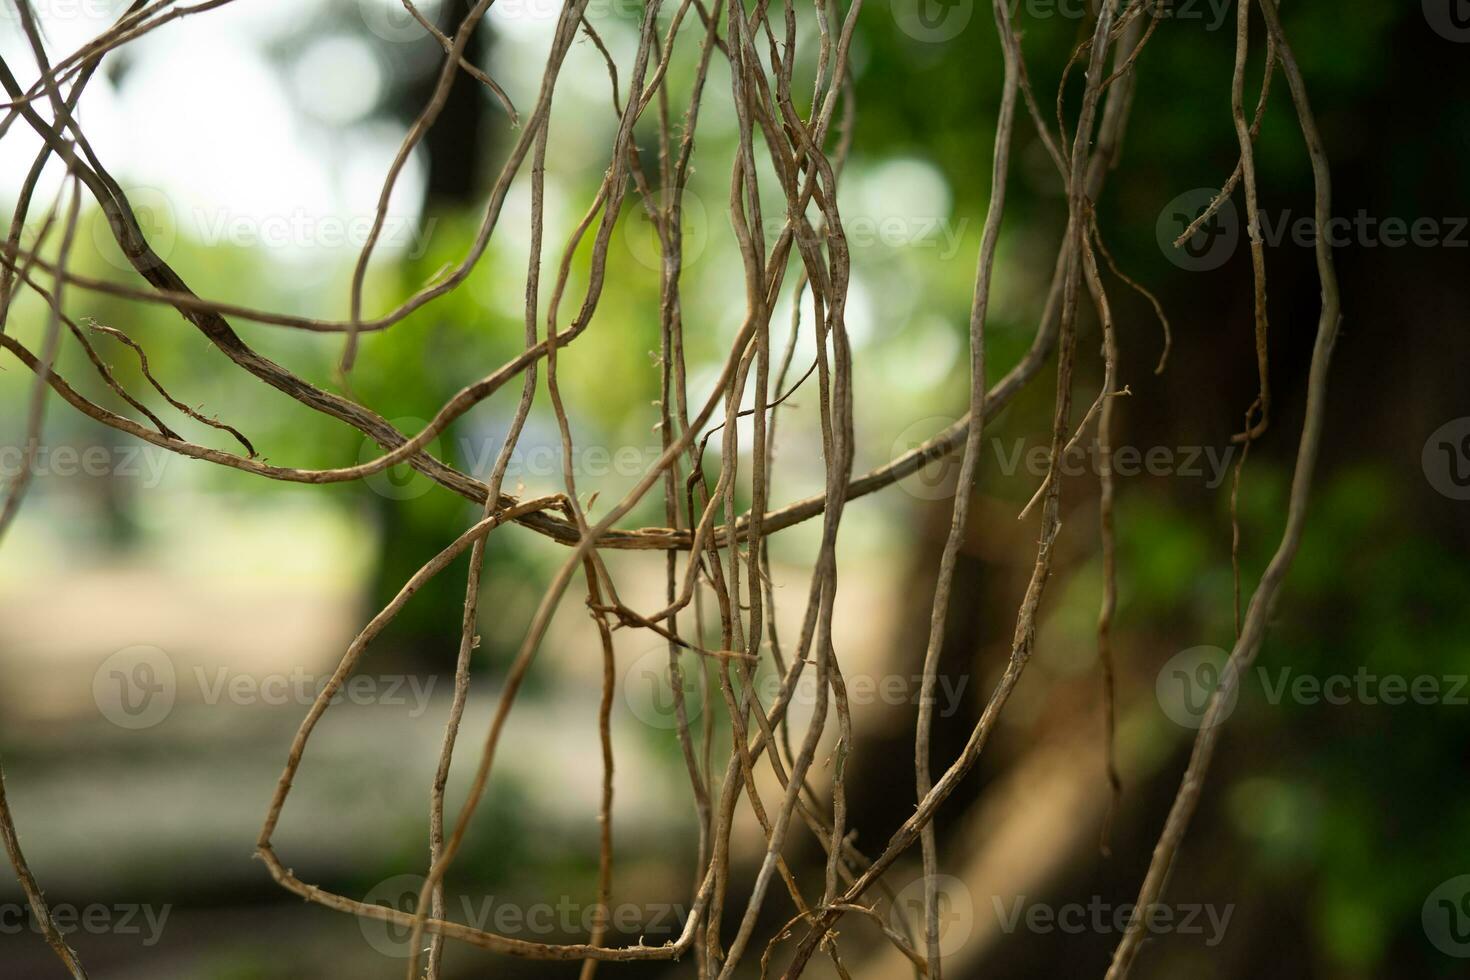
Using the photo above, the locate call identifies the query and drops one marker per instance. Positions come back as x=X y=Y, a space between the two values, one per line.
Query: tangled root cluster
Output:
x=715 y=557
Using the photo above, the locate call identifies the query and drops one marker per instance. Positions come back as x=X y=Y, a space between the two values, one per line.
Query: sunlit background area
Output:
x=253 y=141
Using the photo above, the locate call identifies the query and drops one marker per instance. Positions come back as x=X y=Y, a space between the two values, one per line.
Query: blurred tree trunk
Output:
x=458 y=148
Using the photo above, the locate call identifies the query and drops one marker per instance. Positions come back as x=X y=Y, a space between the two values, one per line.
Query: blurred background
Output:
x=164 y=623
